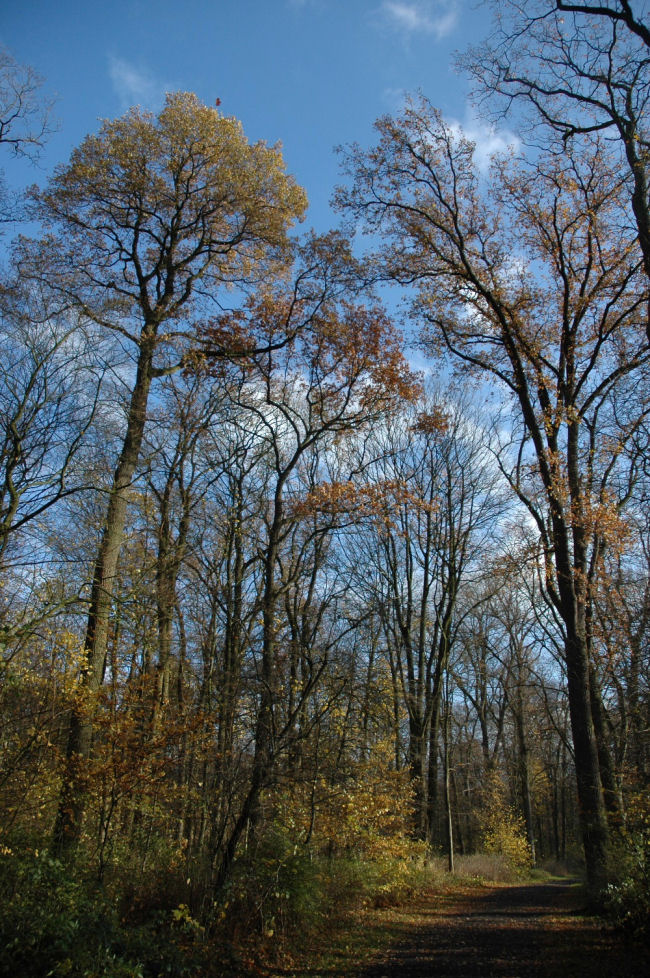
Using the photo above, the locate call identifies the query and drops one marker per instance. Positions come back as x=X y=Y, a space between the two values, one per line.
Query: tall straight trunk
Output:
x=169 y=561
x=370 y=668
x=555 y=814
x=434 y=736
x=448 y=809
x=264 y=755
x=433 y=791
x=564 y=802
x=458 y=834
x=230 y=673
x=395 y=703
x=593 y=819
x=417 y=768
x=572 y=566
x=72 y=801
x=611 y=791
x=635 y=709
x=524 y=776
x=571 y=574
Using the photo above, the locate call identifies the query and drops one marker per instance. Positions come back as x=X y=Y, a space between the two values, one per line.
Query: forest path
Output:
x=525 y=931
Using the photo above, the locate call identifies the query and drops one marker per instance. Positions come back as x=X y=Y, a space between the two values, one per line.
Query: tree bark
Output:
x=72 y=801
x=593 y=820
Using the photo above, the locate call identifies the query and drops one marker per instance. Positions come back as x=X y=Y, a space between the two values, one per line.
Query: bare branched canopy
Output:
x=575 y=72
x=25 y=116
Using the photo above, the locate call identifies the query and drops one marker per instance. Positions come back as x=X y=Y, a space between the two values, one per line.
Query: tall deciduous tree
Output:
x=575 y=71
x=50 y=385
x=304 y=394
x=148 y=220
x=442 y=503
x=534 y=282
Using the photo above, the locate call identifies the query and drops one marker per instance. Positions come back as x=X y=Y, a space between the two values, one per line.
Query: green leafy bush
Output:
x=56 y=924
x=273 y=890
x=52 y=925
x=627 y=900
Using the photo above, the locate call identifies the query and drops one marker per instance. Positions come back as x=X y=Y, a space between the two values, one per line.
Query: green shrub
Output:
x=627 y=900
x=52 y=925
x=275 y=890
x=56 y=924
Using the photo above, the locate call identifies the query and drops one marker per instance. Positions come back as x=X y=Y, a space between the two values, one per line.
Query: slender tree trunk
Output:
x=611 y=792
x=432 y=782
x=459 y=834
x=370 y=669
x=72 y=801
x=434 y=736
x=563 y=805
x=417 y=768
x=169 y=560
x=448 y=808
x=395 y=690
x=264 y=755
x=524 y=776
x=639 y=716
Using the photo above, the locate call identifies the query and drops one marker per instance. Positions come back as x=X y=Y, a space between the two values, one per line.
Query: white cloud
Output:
x=436 y=17
x=487 y=140
x=134 y=85
x=395 y=99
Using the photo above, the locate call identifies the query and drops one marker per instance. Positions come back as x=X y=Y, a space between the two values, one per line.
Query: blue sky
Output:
x=311 y=74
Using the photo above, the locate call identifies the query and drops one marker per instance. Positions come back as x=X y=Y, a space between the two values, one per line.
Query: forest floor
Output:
x=493 y=931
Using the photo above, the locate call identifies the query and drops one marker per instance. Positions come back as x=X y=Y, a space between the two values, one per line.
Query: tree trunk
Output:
x=611 y=792
x=524 y=775
x=434 y=736
x=264 y=755
x=417 y=769
x=593 y=820
x=448 y=809
x=72 y=801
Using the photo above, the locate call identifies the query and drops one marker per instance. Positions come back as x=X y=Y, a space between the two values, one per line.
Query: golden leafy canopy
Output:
x=153 y=204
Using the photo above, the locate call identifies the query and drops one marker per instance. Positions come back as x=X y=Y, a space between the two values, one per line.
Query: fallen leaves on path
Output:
x=531 y=931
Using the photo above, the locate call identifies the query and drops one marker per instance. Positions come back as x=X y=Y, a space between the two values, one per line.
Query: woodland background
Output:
x=281 y=618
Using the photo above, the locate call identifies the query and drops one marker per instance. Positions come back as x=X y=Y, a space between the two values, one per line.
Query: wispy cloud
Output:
x=488 y=141
x=395 y=99
x=435 y=17
x=306 y=4
x=134 y=85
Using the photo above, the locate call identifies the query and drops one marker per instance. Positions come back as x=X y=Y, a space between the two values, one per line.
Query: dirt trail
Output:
x=534 y=931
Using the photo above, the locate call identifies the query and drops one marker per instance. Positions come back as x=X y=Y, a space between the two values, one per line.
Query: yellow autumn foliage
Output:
x=366 y=811
x=503 y=828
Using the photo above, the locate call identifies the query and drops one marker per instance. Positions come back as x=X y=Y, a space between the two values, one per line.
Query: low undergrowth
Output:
x=56 y=922
x=286 y=910
x=627 y=898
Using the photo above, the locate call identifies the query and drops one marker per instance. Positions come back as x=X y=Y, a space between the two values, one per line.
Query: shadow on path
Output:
x=534 y=931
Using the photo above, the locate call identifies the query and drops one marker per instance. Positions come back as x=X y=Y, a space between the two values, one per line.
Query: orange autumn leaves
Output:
x=338 y=349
